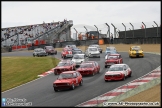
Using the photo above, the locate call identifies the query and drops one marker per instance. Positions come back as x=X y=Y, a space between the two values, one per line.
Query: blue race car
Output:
x=110 y=50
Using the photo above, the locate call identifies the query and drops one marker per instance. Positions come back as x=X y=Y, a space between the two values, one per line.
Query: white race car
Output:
x=79 y=58
x=118 y=72
x=92 y=52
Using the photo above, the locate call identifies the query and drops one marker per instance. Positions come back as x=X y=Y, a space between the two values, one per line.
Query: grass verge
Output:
x=20 y=70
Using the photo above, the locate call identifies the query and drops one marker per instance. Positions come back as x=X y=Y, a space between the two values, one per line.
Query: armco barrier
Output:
x=139 y=40
x=149 y=40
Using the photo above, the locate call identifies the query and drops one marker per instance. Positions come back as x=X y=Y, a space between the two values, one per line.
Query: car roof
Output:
x=135 y=46
x=76 y=49
x=38 y=48
x=111 y=47
x=88 y=61
x=114 y=54
x=92 y=47
x=119 y=64
x=69 y=72
x=79 y=54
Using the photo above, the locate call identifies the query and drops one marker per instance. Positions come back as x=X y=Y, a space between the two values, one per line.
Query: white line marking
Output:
x=149 y=78
x=88 y=105
x=155 y=74
x=103 y=98
x=137 y=83
x=123 y=90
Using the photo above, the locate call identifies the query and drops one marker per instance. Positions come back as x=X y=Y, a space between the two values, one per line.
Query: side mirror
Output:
x=124 y=68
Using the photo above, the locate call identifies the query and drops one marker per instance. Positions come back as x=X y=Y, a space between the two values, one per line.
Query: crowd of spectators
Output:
x=25 y=32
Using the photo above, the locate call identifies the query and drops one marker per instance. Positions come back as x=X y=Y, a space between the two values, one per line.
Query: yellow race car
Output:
x=135 y=51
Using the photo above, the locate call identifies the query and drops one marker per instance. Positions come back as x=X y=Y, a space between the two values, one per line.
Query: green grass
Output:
x=19 y=70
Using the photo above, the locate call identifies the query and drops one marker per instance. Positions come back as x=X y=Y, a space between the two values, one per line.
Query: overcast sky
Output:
x=82 y=13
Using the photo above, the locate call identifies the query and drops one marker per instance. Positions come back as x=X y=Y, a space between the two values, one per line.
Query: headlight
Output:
x=54 y=85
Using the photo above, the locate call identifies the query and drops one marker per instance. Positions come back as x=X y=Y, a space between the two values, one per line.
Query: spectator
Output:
x=111 y=39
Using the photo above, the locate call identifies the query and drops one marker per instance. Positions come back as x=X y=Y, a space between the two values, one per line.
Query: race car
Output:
x=68 y=80
x=50 y=50
x=77 y=51
x=79 y=58
x=66 y=52
x=92 y=52
x=96 y=45
x=113 y=59
x=89 y=68
x=118 y=72
x=110 y=49
x=71 y=46
x=135 y=51
x=109 y=53
x=64 y=65
x=39 y=52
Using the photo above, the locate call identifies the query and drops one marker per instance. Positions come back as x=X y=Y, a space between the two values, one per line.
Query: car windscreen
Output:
x=111 y=52
x=63 y=64
x=77 y=51
x=39 y=50
x=108 y=49
x=73 y=46
x=86 y=65
x=136 y=48
x=65 y=75
x=112 y=57
x=78 y=57
x=49 y=47
x=116 y=68
x=92 y=49
x=94 y=45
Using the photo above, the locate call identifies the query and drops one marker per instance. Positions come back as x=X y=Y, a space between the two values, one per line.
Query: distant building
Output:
x=74 y=36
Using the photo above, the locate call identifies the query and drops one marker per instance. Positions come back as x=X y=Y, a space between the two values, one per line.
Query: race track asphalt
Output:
x=40 y=92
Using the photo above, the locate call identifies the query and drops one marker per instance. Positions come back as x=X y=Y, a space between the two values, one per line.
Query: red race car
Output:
x=64 y=65
x=50 y=50
x=89 y=68
x=118 y=72
x=68 y=80
x=113 y=59
x=66 y=52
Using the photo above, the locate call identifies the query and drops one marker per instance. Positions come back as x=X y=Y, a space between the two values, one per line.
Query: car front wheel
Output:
x=93 y=74
x=124 y=78
x=81 y=82
x=72 y=87
x=55 y=90
x=130 y=74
